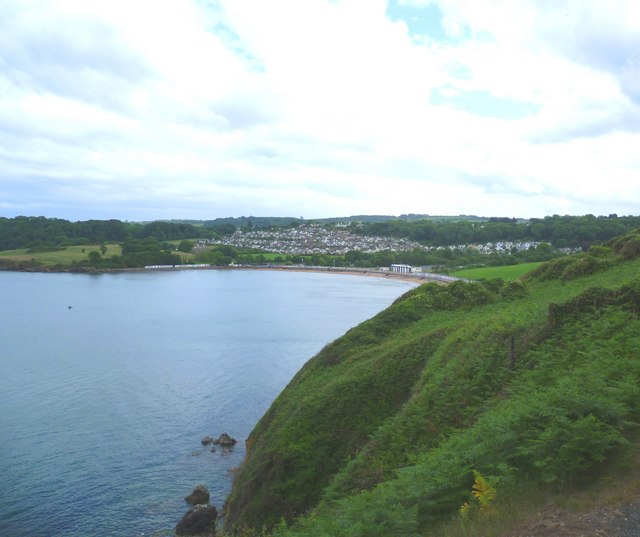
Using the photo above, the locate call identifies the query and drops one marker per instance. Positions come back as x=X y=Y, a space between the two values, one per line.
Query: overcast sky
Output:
x=141 y=110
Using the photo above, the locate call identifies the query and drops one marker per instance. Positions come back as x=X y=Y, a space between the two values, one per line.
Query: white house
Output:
x=401 y=268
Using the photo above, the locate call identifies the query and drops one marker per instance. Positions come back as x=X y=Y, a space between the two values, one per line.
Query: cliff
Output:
x=526 y=384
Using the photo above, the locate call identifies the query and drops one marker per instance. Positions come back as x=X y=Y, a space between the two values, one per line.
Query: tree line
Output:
x=560 y=231
x=224 y=255
x=41 y=232
x=136 y=253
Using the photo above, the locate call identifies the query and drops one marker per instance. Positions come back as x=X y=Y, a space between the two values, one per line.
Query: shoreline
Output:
x=368 y=273
x=416 y=278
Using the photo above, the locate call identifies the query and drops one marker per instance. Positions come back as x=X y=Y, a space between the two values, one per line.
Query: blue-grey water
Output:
x=108 y=383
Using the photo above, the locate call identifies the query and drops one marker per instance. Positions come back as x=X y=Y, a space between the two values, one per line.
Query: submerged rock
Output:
x=199 y=496
x=198 y=522
x=207 y=440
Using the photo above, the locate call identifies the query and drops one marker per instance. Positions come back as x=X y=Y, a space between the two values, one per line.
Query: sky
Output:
x=198 y=109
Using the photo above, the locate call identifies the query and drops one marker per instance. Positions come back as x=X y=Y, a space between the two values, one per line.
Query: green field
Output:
x=67 y=256
x=506 y=272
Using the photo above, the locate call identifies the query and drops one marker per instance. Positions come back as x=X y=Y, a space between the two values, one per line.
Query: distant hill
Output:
x=260 y=222
x=402 y=217
x=249 y=222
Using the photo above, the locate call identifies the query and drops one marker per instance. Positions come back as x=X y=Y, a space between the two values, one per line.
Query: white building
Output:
x=401 y=268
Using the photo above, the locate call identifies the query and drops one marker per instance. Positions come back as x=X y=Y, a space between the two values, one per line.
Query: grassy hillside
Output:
x=501 y=386
x=64 y=256
x=506 y=272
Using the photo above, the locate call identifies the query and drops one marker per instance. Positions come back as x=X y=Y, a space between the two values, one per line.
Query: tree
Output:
x=94 y=257
x=186 y=246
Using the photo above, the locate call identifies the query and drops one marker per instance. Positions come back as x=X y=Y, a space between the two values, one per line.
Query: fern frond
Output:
x=465 y=508
x=483 y=491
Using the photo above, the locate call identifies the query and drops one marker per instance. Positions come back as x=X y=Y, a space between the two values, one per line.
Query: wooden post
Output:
x=512 y=353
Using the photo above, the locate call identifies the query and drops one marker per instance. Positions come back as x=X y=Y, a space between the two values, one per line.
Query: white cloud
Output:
x=196 y=109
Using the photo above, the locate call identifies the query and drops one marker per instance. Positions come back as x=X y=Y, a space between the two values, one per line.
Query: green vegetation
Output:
x=472 y=392
x=39 y=235
x=506 y=272
x=55 y=257
x=560 y=231
x=226 y=226
x=133 y=253
x=41 y=232
x=38 y=242
x=46 y=235
x=229 y=225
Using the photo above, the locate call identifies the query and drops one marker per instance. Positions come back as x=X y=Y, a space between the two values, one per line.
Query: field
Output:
x=507 y=272
x=67 y=256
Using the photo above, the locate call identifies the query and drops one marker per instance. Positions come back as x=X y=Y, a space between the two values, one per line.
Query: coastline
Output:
x=416 y=278
x=369 y=273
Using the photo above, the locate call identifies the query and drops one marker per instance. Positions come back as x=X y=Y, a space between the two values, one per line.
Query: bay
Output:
x=108 y=382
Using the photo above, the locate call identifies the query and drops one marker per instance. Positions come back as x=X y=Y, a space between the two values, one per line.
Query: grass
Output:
x=187 y=257
x=532 y=382
x=271 y=257
x=506 y=272
x=65 y=257
x=527 y=504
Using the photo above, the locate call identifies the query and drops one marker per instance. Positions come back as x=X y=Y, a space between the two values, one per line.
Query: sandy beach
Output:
x=416 y=279
x=319 y=270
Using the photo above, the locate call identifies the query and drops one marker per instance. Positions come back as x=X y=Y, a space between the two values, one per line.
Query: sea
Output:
x=109 y=382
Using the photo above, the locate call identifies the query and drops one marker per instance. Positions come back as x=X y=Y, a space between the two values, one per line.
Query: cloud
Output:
x=228 y=107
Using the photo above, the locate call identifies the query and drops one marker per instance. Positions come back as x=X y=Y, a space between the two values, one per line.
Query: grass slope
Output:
x=63 y=256
x=532 y=383
x=506 y=272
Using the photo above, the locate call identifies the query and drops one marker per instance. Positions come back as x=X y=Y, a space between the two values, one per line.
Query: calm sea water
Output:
x=103 y=405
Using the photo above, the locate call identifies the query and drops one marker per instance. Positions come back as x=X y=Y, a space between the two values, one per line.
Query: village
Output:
x=315 y=239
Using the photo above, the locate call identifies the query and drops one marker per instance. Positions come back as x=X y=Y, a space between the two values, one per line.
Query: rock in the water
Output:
x=199 y=496
x=225 y=440
x=199 y=522
x=207 y=440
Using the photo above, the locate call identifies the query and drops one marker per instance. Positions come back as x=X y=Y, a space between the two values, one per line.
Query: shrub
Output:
x=631 y=248
x=513 y=289
x=583 y=266
x=565 y=447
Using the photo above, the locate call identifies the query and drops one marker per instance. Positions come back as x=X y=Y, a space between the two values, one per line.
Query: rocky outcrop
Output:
x=198 y=522
x=199 y=496
x=224 y=440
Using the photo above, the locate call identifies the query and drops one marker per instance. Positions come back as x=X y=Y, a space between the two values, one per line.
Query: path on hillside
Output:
x=617 y=520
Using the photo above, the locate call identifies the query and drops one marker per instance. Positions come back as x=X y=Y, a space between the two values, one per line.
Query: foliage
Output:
x=483 y=492
x=70 y=256
x=514 y=289
x=627 y=246
x=29 y=232
x=572 y=267
x=379 y=434
x=226 y=226
x=560 y=231
x=136 y=253
x=218 y=255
